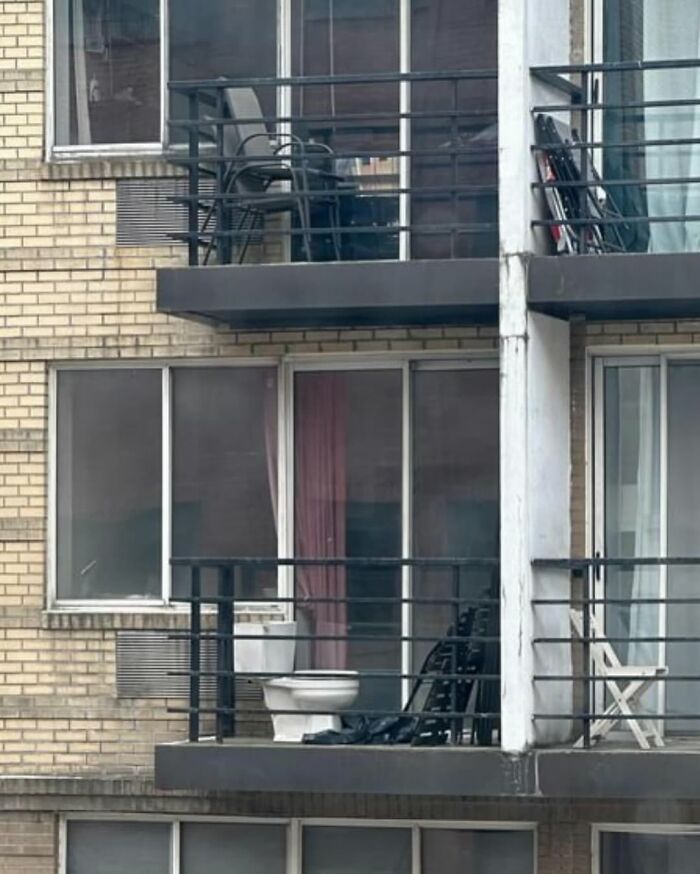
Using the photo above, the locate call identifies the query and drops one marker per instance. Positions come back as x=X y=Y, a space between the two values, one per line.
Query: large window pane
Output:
x=330 y=850
x=683 y=620
x=109 y=484
x=225 y=466
x=456 y=502
x=485 y=852
x=116 y=847
x=632 y=504
x=348 y=503
x=226 y=848
x=454 y=35
x=649 y=854
x=335 y=38
x=107 y=71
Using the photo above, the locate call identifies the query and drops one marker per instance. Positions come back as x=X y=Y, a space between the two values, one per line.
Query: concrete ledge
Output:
x=349 y=294
x=635 y=286
x=252 y=767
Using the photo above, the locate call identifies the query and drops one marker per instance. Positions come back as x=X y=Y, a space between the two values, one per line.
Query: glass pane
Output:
x=225 y=468
x=107 y=71
x=632 y=499
x=348 y=503
x=653 y=30
x=236 y=39
x=485 y=852
x=349 y=850
x=341 y=37
x=649 y=854
x=115 y=847
x=109 y=484
x=683 y=620
x=456 y=503
x=225 y=848
x=454 y=35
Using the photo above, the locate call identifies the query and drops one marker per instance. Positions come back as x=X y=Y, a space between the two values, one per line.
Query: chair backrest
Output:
x=601 y=649
x=250 y=138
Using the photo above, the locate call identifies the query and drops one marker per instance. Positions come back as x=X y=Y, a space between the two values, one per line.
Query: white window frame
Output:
x=599 y=829
x=595 y=448
x=295 y=827
x=286 y=368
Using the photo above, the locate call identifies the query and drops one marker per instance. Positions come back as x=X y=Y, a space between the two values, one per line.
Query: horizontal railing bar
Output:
x=362 y=675
x=324 y=194
x=618 y=66
x=616 y=639
x=618 y=716
x=447 y=714
x=630 y=220
x=578 y=145
x=435 y=230
x=334 y=118
x=583 y=563
x=669 y=102
x=302 y=157
x=597 y=678
x=582 y=602
x=228 y=561
x=342 y=638
x=640 y=182
x=378 y=601
x=188 y=87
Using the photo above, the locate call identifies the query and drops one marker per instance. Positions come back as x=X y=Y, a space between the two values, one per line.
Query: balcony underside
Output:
x=255 y=766
x=357 y=294
x=633 y=286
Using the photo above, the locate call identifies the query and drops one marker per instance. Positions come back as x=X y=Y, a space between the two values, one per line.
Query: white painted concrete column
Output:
x=517 y=705
x=530 y=32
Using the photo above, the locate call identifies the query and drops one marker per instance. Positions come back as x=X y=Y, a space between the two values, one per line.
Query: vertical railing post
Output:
x=195 y=653
x=454 y=139
x=583 y=161
x=587 y=682
x=225 y=684
x=455 y=722
x=223 y=241
x=193 y=178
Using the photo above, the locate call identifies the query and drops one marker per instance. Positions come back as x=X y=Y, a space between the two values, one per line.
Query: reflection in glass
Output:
x=348 y=503
x=488 y=852
x=107 y=71
x=223 y=848
x=649 y=854
x=109 y=484
x=114 y=847
x=225 y=468
x=632 y=497
x=336 y=850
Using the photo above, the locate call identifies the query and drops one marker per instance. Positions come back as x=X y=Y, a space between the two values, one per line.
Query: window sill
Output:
x=121 y=166
x=118 y=619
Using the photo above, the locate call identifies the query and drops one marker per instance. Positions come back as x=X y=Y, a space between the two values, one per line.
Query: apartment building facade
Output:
x=301 y=355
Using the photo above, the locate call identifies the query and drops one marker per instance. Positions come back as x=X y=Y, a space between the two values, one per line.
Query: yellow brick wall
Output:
x=68 y=293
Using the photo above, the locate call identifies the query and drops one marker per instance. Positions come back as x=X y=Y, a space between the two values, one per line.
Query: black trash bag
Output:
x=354 y=731
x=386 y=731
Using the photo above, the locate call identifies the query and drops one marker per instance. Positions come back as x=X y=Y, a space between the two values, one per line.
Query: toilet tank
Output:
x=278 y=654
x=248 y=654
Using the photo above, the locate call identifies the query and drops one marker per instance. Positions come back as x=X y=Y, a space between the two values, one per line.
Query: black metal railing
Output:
x=356 y=167
x=630 y=621
x=617 y=155
x=421 y=637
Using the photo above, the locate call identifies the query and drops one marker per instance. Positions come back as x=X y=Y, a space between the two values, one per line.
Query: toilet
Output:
x=296 y=691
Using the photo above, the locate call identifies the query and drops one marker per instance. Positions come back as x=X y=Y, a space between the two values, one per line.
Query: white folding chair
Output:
x=626 y=684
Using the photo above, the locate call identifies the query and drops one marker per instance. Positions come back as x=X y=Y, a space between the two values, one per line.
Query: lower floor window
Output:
x=391 y=459
x=673 y=852
x=218 y=847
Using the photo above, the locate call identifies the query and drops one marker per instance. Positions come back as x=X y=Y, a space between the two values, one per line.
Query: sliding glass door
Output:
x=653 y=30
x=391 y=462
x=648 y=506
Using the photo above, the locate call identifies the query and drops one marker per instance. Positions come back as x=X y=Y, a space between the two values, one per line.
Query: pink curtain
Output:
x=320 y=507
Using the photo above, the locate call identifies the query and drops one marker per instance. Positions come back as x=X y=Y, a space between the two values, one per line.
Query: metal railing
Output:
x=420 y=635
x=338 y=168
x=615 y=167
x=648 y=611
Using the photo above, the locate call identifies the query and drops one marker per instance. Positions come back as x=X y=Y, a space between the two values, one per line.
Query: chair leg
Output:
x=305 y=220
x=256 y=217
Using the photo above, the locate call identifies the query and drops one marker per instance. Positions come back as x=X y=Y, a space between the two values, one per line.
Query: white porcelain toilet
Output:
x=306 y=691
x=296 y=691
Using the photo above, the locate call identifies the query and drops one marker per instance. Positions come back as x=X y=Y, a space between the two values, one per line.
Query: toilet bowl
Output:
x=306 y=695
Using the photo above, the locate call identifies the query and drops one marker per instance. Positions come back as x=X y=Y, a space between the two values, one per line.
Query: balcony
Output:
x=337 y=200
x=635 y=680
x=617 y=152
x=408 y=647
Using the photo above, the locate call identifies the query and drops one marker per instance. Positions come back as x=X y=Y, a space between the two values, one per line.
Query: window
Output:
x=107 y=72
x=112 y=847
x=671 y=851
x=648 y=505
x=392 y=459
x=263 y=847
